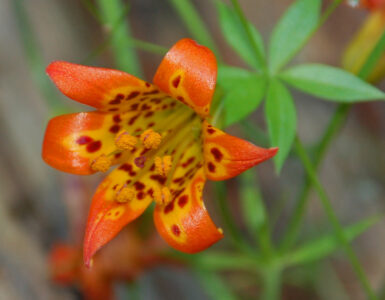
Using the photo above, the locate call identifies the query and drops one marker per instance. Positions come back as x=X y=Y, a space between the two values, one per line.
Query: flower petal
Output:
x=185 y=223
x=107 y=216
x=227 y=156
x=188 y=73
x=104 y=89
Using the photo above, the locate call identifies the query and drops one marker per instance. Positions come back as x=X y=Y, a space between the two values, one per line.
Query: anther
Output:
x=162 y=196
x=163 y=164
x=125 y=194
x=150 y=139
x=125 y=141
x=101 y=164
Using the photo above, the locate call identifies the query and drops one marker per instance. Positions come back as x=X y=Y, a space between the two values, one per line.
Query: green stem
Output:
x=194 y=23
x=121 y=44
x=247 y=28
x=333 y=218
x=272 y=284
x=295 y=222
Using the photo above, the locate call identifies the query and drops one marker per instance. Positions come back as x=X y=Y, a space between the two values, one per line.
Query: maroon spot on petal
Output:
x=176 y=180
x=164 y=106
x=94 y=146
x=152 y=168
x=172 y=104
x=183 y=200
x=114 y=128
x=156 y=100
x=210 y=130
x=151 y=124
x=113 y=109
x=128 y=168
x=117 y=213
x=176 y=81
x=211 y=167
x=189 y=161
x=84 y=140
x=132 y=95
x=180 y=98
x=116 y=118
x=169 y=207
x=149 y=114
x=139 y=186
x=134 y=106
x=128 y=181
x=175 y=230
x=119 y=96
x=151 y=92
x=115 y=101
x=139 y=161
x=141 y=195
x=145 y=106
x=147 y=84
x=217 y=154
x=133 y=119
x=138 y=129
x=115 y=186
x=159 y=178
x=144 y=151
x=151 y=192
x=117 y=155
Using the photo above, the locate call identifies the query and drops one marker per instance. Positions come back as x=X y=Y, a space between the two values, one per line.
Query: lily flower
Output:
x=160 y=137
x=124 y=259
x=365 y=40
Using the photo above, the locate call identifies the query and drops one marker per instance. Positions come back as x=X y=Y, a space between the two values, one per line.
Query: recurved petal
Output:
x=104 y=89
x=107 y=217
x=188 y=73
x=72 y=141
x=185 y=223
x=227 y=156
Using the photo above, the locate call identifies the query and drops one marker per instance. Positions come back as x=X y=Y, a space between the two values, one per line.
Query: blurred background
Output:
x=40 y=206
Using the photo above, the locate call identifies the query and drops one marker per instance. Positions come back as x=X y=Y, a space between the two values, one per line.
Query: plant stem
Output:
x=333 y=218
x=194 y=23
x=247 y=28
x=121 y=44
x=272 y=284
x=295 y=222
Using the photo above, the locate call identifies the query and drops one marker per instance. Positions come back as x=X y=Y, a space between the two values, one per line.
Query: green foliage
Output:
x=237 y=37
x=331 y=83
x=215 y=286
x=292 y=31
x=244 y=92
x=281 y=120
x=326 y=245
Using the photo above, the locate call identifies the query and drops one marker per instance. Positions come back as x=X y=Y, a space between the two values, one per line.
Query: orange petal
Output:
x=227 y=156
x=185 y=223
x=188 y=73
x=107 y=217
x=63 y=263
x=101 y=88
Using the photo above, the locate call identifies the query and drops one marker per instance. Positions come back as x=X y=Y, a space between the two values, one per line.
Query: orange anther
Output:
x=101 y=164
x=150 y=139
x=125 y=141
x=162 y=196
x=163 y=164
x=125 y=194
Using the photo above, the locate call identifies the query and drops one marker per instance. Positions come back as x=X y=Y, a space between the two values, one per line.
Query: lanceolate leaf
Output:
x=325 y=245
x=292 y=31
x=237 y=37
x=244 y=92
x=331 y=83
x=281 y=120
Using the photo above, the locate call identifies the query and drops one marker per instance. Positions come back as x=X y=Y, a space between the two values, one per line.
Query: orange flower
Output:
x=365 y=40
x=121 y=260
x=160 y=137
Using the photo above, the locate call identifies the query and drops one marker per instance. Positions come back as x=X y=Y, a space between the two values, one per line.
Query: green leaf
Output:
x=244 y=92
x=324 y=246
x=253 y=208
x=215 y=287
x=237 y=37
x=292 y=31
x=330 y=83
x=281 y=120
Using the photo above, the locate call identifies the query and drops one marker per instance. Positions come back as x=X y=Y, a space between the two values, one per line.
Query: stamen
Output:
x=101 y=164
x=150 y=139
x=162 y=196
x=163 y=164
x=125 y=141
x=125 y=194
